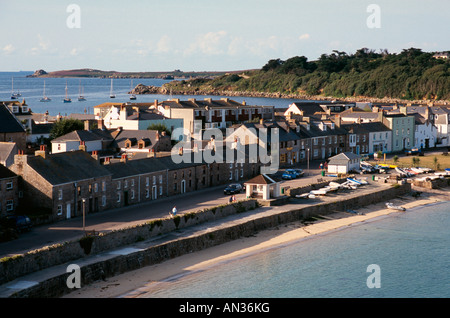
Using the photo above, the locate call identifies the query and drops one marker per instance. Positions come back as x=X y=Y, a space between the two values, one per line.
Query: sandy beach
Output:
x=134 y=283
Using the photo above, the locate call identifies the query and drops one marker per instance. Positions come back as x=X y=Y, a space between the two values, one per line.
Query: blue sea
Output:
x=411 y=251
x=96 y=91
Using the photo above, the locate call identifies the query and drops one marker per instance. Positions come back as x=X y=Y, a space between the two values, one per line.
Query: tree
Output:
x=65 y=126
x=160 y=128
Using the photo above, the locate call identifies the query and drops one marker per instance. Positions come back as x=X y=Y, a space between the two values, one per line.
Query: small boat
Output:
x=402 y=172
x=390 y=205
x=14 y=95
x=357 y=182
x=111 y=93
x=333 y=184
x=45 y=98
x=132 y=96
x=305 y=196
x=67 y=99
x=321 y=191
x=80 y=94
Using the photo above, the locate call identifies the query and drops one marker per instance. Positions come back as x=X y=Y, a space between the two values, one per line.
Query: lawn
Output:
x=428 y=161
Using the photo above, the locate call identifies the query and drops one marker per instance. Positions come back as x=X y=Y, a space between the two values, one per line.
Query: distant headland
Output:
x=88 y=72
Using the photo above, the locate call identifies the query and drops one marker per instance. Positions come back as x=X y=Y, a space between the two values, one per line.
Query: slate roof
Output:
x=309 y=108
x=5 y=173
x=262 y=179
x=342 y=158
x=67 y=167
x=85 y=135
x=6 y=148
x=8 y=122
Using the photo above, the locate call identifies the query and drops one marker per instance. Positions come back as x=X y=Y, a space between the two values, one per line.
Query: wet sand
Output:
x=135 y=283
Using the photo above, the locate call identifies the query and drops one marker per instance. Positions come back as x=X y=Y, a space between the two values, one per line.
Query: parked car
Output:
x=287 y=175
x=293 y=172
x=233 y=188
x=21 y=223
x=414 y=151
x=299 y=172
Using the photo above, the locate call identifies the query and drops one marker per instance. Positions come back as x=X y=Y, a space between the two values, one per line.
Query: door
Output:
x=154 y=193
x=357 y=150
x=125 y=198
x=68 y=211
x=183 y=186
x=323 y=153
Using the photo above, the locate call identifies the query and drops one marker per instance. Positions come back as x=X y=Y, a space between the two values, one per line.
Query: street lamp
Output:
x=308 y=159
x=84 y=213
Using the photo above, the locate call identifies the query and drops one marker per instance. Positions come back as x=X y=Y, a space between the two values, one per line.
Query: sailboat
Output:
x=45 y=98
x=132 y=97
x=80 y=95
x=14 y=95
x=67 y=99
x=111 y=94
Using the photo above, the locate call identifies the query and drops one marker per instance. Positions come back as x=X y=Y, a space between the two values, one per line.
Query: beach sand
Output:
x=134 y=283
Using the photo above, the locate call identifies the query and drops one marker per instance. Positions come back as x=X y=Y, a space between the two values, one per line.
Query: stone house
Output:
x=63 y=184
x=11 y=129
x=9 y=191
x=213 y=113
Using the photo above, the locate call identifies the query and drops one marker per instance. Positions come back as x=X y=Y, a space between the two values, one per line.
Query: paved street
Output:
x=114 y=219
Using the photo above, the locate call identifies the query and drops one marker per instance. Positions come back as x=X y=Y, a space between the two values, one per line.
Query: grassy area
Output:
x=440 y=163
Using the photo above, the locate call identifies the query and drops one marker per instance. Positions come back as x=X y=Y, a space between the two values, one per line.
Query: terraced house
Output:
x=65 y=185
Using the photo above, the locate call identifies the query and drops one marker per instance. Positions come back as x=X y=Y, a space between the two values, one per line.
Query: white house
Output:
x=425 y=133
x=262 y=186
x=343 y=163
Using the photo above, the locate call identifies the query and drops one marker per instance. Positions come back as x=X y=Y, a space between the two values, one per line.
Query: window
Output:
x=90 y=188
x=154 y=179
x=103 y=200
x=132 y=194
x=160 y=177
x=96 y=187
x=59 y=146
x=160 y=190
x=60 y=194
x=316 y=141
x=147 y=181
x=59 y=210
x=9 y=205
x=119 y=184
x=118 y=196
x=242 y=173
x=103 y=185
x=132 y=182
x=231 y=175
x=125 y=184
x=9 y=185
x=396 y=132
x=79 y=190
x=147 y=193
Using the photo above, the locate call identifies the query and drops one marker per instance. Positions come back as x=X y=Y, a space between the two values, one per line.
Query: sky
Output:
x=207 y=35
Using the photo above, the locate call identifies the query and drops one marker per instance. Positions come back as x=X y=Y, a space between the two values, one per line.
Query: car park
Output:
x=233 y=188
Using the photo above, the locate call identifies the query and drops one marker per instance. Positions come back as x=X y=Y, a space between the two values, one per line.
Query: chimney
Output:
x=107 y=161
x=337 y=121
x=42 y=151
x=82 y=146
x=261 y=121
x=87 y=125
x=101 y=124
x=151 y=153
x=155 y=103
x=95 y=155
x=124 y=158
x=380 y=116
x=244 y=103
x=180 y=151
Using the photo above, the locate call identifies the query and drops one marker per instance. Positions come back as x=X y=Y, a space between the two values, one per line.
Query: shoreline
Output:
x=134 y=283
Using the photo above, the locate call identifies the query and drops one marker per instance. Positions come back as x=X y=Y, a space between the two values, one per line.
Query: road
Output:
x=71 y=229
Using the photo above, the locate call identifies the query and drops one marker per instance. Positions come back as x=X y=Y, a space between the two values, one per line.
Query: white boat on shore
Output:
x=321 y=191
x=305 y=196
x=390 y=205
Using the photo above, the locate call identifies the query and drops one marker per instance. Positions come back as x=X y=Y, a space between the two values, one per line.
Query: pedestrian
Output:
x=321 y=166
x=173 y=212
x=233 y=198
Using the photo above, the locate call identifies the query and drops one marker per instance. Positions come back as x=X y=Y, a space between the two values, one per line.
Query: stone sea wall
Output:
x=56 y=286
x=20 y=265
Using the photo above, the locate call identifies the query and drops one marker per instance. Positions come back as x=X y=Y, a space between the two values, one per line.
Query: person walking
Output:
x=173 y=212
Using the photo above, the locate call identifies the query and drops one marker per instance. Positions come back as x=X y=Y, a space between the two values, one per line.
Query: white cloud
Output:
x=163 y=45
x=8 y=49
x=211 y=43
x=43 y=44
x=305 y=36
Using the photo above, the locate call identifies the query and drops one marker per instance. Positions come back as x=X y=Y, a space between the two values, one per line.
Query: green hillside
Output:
x=410 y=75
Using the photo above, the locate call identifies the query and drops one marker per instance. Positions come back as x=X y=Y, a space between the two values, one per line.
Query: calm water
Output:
x=412 y=250
x=95 y=90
